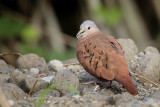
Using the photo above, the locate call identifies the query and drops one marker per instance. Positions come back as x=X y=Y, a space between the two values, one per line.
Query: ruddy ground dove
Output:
x=102 y=56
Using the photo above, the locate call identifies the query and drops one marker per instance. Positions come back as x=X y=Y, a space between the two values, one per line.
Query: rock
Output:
x=124 y=100
x=4 y=68
x=149 y=102
x=11 y=102
x=12 y=91
x=4 y=78
x=95 y=99
x=106 y=92
x=85 y=76
x=151 y=50
x=3 y=63
x=74 y=68
x=56 y=65
x=32 y=72
x=65 y=102
x=155 y=95
x=147 y=65
x=28 y=102
x=29 y=61
x=129 y=47
x=48 y=78
x=66 y=82
x=94 y=96
x=25 y=82
x=52 y=93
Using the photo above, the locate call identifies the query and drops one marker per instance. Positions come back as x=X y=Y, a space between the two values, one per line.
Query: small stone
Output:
x=5 y=70
x=66 y=81
x=55 y=65
x=151 y=85
x=151 y=50
x=11 y=102
x=124 y=100
x=29 y=61
x=129 y=47
x=4 y=78
x=85 y=77
x=106 y=92
x=94 y=96
x=48 y=78
x=34 y=71
x=12 y=91
x=25 y=82
x=65 y=102
x=52 y=93
x=3 y=63
x=74 y=68
x=155 y=95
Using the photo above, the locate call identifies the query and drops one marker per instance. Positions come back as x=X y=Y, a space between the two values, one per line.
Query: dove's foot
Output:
x=91 y=82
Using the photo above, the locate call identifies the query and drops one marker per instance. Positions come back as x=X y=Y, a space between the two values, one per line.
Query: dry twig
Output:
x=95 y=89
x=77 y=63
x=139 y=76
x=30 y=92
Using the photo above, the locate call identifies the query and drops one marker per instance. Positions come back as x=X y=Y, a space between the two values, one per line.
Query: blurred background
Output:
x=48 y=27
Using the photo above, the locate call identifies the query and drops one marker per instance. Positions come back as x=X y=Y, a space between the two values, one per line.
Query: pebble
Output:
x=29 y=61
x=55 y=65
x=48 y=78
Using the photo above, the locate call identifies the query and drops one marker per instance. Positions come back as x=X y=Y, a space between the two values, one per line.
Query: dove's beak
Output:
x=79 y=34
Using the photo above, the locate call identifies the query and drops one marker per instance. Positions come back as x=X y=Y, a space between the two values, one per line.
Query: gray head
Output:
x=86 y=28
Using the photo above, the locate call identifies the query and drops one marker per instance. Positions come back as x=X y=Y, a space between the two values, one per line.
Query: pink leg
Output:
x=90 y=82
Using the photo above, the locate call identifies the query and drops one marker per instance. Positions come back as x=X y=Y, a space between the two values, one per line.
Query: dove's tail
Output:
x=127 y=83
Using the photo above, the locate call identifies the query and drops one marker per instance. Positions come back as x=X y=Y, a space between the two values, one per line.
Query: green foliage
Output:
x=41 y=97
x=45 y=52
x=47 y=90
x=12 y=27
x=29 y=34
x=9 y=26
x=68 y=86
x=111 y=15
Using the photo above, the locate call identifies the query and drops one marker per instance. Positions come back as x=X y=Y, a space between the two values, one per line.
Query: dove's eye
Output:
x=89 y=27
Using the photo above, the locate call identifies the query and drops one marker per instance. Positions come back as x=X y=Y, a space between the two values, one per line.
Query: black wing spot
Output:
x=106 y=58
x=90 y=61
x=106 y=66
x=114 y=46
x=101 y=52
x=92 y=54
x=96 y=66
x=85 y=46
x=88 y=50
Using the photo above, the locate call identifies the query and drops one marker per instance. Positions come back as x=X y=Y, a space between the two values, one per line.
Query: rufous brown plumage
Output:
x=102 y=56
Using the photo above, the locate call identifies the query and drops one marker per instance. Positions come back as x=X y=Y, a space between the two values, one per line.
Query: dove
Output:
x=102 y=56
